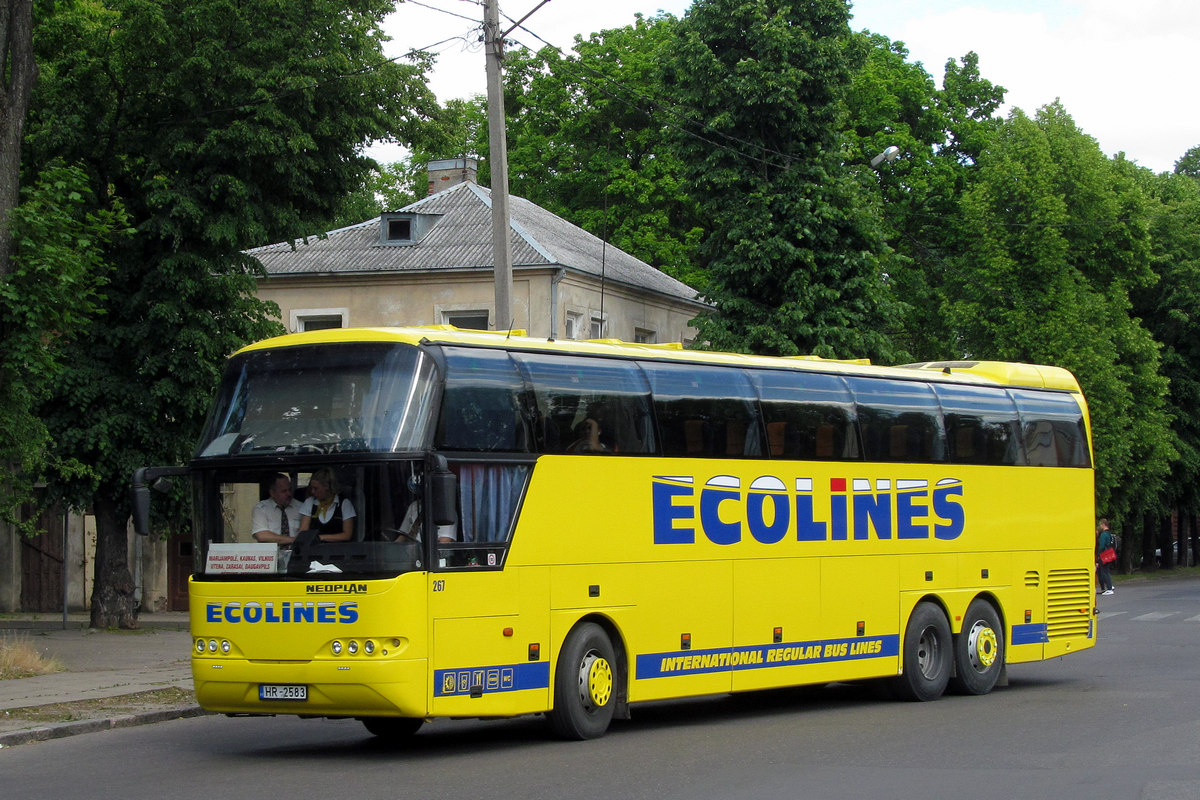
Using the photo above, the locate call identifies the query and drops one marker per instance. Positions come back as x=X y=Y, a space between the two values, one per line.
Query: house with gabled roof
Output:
x=431 y=263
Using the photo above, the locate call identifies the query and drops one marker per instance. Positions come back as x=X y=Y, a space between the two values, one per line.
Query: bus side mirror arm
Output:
x=444 y=485
x=145 y=478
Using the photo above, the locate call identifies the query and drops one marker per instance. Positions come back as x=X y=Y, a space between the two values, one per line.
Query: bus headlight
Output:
x=199 y=645
x=369 y=647
x=352 y=648
x=337 y=648
x=212 y=645
x=225 y=646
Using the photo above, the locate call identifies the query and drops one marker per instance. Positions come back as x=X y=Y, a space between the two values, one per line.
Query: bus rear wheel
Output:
x=927 y=655
x=585 y=683
x=978 y=650
x=392 y=727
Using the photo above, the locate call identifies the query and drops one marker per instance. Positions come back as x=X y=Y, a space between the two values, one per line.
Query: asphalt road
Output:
x=1119 y=721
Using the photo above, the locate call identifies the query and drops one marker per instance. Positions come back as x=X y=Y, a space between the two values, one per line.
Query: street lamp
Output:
x=889 y=155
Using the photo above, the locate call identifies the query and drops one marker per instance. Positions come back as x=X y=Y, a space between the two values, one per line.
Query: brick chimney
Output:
x=451 y=172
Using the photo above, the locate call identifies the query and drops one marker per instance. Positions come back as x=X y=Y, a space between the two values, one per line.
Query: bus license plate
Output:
x=282 y=691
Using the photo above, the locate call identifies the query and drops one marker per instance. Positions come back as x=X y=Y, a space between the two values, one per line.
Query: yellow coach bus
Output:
x=570 y=528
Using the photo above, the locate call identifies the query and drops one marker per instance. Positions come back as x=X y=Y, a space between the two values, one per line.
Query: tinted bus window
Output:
x=1052 y=428
x=981 y=425
x=332 y=398
x=898 y=420
x=705 y=411
x=587 y=405
x=807 y=415
x=483 y=402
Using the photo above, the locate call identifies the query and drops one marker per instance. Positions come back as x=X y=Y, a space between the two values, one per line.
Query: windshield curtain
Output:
x=330 y=398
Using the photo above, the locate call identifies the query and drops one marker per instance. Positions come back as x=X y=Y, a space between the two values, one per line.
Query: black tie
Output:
x=284 y=530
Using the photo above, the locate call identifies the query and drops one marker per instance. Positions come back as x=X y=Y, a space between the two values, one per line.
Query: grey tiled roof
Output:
x=462 y=240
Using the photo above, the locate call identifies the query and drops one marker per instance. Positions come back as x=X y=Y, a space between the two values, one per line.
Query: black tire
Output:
x=585 y=684
x=978 y=650
x=928 y=655
x=392 y=727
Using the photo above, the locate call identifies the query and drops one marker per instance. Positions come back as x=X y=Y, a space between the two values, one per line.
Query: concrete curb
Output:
x=61 y=731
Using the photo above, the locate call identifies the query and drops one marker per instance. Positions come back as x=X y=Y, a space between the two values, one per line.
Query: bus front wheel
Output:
x=927 y=655
x=978 y=650
x=585 y=684
x=392 y=727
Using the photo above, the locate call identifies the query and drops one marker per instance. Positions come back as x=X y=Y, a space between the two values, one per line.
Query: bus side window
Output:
x=705 y=411
x=981 y=425
x=808 y=415
x=1052 y=427
x=900 y=420
x=568 y=391
x=483 y=405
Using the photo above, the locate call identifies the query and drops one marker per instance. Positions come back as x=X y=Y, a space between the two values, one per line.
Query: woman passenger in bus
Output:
x=588 y=440
x=331 y=516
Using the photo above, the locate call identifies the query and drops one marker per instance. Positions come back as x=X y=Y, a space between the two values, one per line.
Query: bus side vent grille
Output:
x=1068 y=601
x=1032 y=579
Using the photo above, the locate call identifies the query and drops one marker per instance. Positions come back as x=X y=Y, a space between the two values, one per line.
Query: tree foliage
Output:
x=792 y=259
x=217 y=126
x=47 y=301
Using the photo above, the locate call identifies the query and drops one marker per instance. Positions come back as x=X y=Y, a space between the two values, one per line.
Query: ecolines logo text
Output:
x=770 y=510
x=284 y=612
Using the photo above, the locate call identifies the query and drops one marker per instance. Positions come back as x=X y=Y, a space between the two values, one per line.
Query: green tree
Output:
x=1171 y=310
x=589 y=141
x=1053 y=239
x=217 y=126
x=791 y=254
x=47 y=300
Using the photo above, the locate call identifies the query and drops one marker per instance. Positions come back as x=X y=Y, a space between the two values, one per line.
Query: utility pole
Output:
x=498 y=145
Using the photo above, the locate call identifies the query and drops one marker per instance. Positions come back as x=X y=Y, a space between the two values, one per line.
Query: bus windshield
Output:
x=332 y=398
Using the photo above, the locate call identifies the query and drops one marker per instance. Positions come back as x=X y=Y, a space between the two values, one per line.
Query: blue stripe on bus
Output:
x=498 y=678
x=790 y=654
x=1034 y=633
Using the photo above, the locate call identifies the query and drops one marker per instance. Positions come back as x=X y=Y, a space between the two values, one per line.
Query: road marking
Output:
x=1193 y=619
x=1155 y=616
x=1109 y=614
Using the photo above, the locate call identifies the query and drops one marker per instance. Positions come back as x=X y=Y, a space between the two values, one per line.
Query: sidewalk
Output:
x=100 y=665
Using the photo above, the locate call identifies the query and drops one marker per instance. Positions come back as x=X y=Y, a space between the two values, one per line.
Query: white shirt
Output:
x=266 y=517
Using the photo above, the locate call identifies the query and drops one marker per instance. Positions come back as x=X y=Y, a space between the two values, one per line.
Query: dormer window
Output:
x=405 y=228
x=399 y=230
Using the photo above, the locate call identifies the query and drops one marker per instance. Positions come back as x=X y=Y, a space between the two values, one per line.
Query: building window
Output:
x=645 y=336
x=599 y=326
x=318 y=319
x=574 y=325
x=470 y=320
x=399 y=230
x=405 y=228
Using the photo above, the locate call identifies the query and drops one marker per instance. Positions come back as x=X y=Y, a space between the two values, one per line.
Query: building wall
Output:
x=425 y=299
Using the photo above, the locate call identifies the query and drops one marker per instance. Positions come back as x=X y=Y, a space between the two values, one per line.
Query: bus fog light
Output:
x=337 y=648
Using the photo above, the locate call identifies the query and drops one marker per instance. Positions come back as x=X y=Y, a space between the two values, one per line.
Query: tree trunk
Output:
x=113 y=604
x=1148 y=537
x=18 y=71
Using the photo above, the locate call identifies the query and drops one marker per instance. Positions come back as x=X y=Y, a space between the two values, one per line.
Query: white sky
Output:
x=1120 y=69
